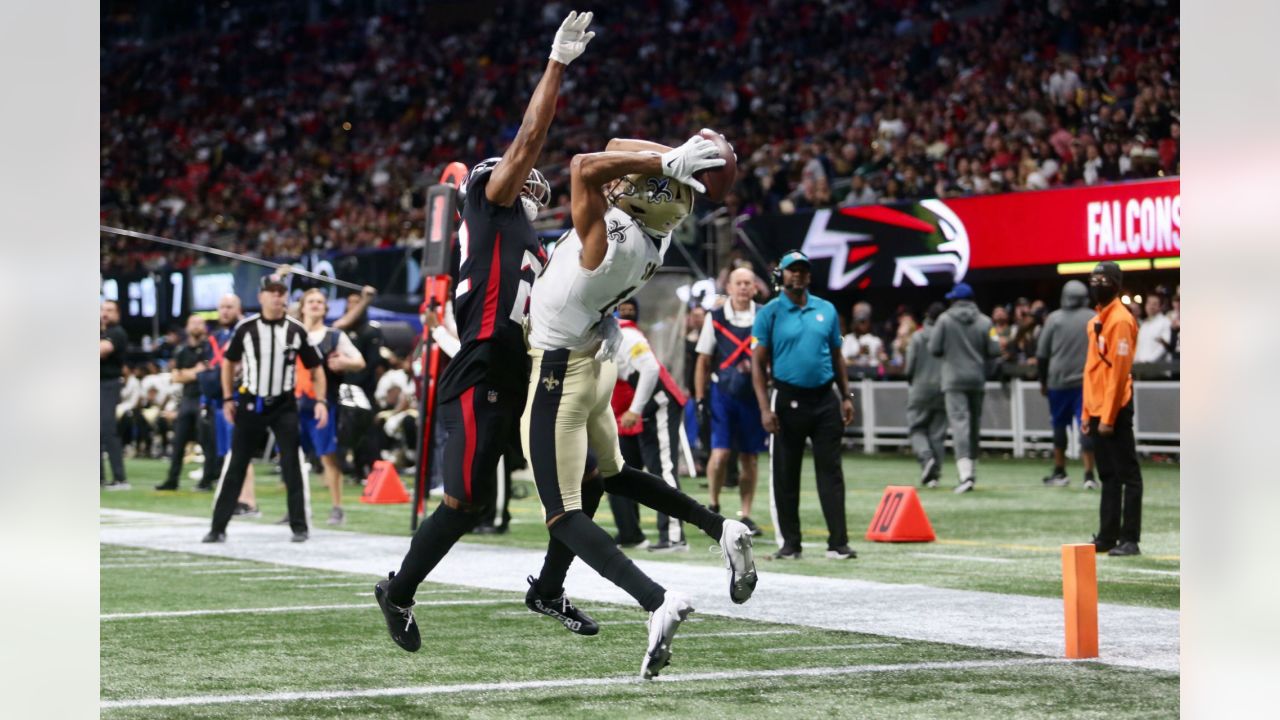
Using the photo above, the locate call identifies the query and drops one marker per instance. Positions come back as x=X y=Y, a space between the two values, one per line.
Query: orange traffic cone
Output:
x=900 y=517
x=383 y=486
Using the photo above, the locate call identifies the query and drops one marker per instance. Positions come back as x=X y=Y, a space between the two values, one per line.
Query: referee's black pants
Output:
x=250 y=434
x=1120 y=513
x=807 y=414
x=626 y=512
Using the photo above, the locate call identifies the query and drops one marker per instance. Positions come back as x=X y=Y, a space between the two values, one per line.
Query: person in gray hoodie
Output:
x=926 y=407
x=1064 y=343
x=963 y=338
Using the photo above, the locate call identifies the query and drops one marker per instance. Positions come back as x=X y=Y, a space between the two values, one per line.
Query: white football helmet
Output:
x=657 y=203
x=534 y=196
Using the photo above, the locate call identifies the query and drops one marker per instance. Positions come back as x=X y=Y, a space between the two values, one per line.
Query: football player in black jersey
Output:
x=482 y=393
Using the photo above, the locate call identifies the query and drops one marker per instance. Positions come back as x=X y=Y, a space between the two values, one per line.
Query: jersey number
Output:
x=649 y=270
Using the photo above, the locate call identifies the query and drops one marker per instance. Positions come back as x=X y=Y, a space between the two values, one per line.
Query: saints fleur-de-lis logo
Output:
x=550 y=382
x=660 y=190
x=617 y=232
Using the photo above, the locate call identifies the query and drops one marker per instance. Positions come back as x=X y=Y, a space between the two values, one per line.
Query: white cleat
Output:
x=735 y=544
x=663 y=624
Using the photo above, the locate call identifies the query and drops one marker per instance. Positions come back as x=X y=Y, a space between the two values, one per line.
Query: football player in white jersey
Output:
x=625 y=202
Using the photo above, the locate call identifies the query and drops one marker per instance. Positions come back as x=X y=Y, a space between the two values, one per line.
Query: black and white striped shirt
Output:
x=269 y=351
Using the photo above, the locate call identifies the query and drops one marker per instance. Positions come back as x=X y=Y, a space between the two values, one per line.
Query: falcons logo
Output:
x=882 y=244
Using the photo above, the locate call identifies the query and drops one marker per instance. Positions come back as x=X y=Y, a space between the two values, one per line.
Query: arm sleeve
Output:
x=309 y=354
x=1122 y=341
x=448 y=343
x=346 y=348
x=707 y=338
x=235 y=346
x=646 y=364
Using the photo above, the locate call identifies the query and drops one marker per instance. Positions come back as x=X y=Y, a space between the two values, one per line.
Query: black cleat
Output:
x=668 y=546
x=844 y=552
x=215 y=537
x=1102 y=545
x=300 y=536
x=1125 y=549
x=1057 y=479
x=167 y=486
x=752 y=526
x=630 y=542
x=786 y=553
x=561 y=609
x=400 y=621
x=202 y=487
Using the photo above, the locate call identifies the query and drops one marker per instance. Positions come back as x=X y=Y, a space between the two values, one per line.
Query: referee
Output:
x=798 y=344
x=268 y=345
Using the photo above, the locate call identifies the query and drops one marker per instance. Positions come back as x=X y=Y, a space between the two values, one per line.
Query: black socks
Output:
x=650 y=491
x=550 y=583
x=433 y=540
x=589 y=542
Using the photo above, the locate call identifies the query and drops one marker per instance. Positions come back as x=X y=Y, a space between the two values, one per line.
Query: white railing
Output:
x=1015 y=417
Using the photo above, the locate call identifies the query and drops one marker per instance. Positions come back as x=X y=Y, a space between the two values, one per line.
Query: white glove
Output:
x=610 y=338
x=696 y=155
x=571 y=39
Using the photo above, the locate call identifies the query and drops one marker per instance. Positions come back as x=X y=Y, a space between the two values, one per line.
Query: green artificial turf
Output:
x=248 y=653
x=1005 y=537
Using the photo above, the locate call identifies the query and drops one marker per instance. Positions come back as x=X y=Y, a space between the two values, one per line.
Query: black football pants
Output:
x=247 y=437
x=814 y=415
x=1120 y=514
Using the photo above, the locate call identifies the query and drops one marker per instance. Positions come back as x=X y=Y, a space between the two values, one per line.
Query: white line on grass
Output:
x=851 y=646
x=239 y=570
x=363 y=584
x=163 y=565
x=1171 y=573
x=274 y=578
x=970 y=558
x=772 y=674
x=292 y=608
x=737 y=633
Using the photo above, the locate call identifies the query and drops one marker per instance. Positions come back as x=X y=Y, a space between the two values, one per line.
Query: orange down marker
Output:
x=1080 y=599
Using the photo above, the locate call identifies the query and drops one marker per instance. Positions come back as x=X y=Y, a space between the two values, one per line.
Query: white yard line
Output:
x=476 y=688
x=242 y=570
x=850 y=646
x=281 y=578
x=276 y=609
x=1130 y=636
x=969 y=558
x=737 y=633
x=363 y=584
x=162 y=564
x=1145 y=571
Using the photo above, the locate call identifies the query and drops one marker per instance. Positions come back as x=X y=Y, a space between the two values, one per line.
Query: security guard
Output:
x=798 y=345
x=1108 y=414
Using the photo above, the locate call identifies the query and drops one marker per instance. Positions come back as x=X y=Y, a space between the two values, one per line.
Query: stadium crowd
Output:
x=282 y=135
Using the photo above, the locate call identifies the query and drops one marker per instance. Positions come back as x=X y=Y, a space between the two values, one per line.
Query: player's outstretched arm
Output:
x=588 y=174
x=509 y=175
x=632 y=145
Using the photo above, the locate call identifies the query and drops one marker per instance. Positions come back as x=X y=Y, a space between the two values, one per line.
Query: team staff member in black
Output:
x=798 y=344
x=268 y=345
x=112 y=343
x=188 y=362
x=482 y=393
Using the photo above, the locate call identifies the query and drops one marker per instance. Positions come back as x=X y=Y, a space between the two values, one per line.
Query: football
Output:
x=719 y=180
